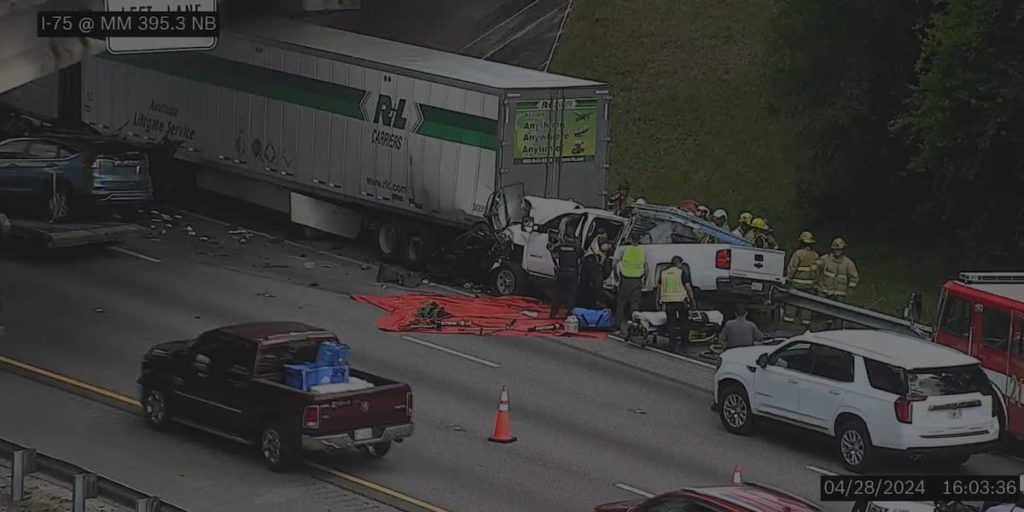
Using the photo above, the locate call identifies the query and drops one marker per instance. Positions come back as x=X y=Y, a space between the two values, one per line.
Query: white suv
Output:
x=873 y=391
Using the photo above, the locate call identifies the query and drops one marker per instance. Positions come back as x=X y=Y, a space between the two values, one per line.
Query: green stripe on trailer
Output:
x=339 y=99
x=347 y=101
x=457 y=127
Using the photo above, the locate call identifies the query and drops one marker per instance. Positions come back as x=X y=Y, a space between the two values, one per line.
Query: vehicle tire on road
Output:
x=736 y=415
x=376 y=450
x=854 y=445
x=391 y=239
x=155 y=409
x=419 y=245
x=280 y=450
x=509 y=280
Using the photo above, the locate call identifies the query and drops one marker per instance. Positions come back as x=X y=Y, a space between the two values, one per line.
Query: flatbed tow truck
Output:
x=40 y=234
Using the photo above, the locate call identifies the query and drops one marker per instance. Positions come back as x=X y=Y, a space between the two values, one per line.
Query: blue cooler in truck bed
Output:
x=302 y=376
x=332 y=354
x=339 y=374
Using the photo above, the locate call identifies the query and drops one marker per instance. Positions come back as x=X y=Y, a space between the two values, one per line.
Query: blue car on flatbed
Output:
x=54 y=174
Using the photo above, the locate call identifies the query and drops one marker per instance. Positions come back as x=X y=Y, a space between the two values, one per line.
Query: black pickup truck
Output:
x=230 y=382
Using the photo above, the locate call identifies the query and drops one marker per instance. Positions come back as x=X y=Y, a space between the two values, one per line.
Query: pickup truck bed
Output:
x=195 y=383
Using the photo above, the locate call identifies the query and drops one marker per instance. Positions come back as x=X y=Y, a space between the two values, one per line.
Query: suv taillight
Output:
x=904 y=408
x=311 y=417
x=723 y=259
x=408 y=404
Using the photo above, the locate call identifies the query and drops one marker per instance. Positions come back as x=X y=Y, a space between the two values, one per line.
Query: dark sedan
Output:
x=54 y=173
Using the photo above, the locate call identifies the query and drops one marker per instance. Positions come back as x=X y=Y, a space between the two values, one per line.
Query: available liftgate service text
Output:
x=99 y=24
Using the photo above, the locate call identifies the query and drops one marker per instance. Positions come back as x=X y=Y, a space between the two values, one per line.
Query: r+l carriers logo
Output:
x=392 y=116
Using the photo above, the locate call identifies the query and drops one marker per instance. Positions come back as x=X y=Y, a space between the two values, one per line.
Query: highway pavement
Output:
x=596 y=421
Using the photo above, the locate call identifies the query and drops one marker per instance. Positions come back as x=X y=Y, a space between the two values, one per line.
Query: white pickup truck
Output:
x=730 y=268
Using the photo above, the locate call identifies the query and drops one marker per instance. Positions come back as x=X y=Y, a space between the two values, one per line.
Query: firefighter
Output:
x=837 y=275
x=800 y=275
x=593 y=270
x=703 y=212
x=631 y=269
x=620 y=201
x=744 y=225
x=760 y=235
x=721 y=219
x=567 y=274
x=674 y=296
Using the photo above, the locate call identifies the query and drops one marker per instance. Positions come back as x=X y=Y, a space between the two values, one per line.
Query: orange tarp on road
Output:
x=496 y=316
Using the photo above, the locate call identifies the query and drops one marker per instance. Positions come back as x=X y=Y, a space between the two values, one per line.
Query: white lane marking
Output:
x=122 y=250
x=558 y=36
x=521 y=32
x=499 y=25
x=820 y=471
x=670 y=354
x=452 y=352
x=318 y=251
x=634 y=490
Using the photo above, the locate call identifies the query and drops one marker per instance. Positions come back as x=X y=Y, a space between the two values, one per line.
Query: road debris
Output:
x=267 y=295
x=638 y=411
x=309 y=265
x=99 y=310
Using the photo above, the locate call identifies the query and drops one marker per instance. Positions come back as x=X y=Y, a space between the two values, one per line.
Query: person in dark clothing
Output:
x=567 y=256
x=592 y=277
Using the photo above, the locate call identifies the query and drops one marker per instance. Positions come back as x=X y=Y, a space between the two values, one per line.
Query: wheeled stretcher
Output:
x=645 y=326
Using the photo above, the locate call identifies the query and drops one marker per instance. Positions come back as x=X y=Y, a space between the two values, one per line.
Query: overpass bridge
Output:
x=25 y=57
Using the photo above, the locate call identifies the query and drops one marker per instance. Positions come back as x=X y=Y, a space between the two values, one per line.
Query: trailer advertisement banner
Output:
x=570 y=123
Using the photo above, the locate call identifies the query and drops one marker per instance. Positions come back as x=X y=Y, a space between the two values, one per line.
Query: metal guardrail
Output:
x=850 y=313
x=85 y=484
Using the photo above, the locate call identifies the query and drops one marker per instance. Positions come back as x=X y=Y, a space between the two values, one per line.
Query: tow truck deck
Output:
x=46 y=235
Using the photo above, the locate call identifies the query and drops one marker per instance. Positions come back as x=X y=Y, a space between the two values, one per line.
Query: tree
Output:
x=966 y=123
x=842 y=69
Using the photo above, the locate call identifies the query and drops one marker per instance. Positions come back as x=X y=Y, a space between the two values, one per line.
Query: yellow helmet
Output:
x=806 y=237
x=746 y=217
x=838 y=243
x=759 y=223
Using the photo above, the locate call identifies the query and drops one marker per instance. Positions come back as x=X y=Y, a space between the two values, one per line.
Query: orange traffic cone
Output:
x=503 y=422
x=736 y=478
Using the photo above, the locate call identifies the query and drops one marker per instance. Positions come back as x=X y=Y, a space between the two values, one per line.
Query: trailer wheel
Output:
x=391 y=241
x=419 y=246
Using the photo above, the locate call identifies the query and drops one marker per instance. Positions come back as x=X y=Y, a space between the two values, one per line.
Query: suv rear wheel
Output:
x=855 y=448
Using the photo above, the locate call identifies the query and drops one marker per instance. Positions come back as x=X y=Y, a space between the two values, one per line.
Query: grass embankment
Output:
x=691 y=120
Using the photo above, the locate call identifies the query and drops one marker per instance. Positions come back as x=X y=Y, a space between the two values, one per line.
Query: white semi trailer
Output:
x=345 y=132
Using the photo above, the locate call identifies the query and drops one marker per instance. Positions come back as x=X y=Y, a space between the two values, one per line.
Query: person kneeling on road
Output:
x=740 y=332
x=676 y=296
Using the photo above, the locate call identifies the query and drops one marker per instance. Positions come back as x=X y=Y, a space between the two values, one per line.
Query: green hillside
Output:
x=691 y=120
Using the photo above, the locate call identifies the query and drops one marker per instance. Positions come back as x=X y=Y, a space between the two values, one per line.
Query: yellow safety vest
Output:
x=672 y=289
x=632 y=262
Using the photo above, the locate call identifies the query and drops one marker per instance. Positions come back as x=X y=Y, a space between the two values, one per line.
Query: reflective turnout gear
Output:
x=632 y=262
x=800 y=271
x=670 y=286
x=837 y=275
x=801 y=274
x=764 y=240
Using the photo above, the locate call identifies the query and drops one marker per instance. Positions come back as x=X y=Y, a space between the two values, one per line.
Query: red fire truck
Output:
x=982 y=314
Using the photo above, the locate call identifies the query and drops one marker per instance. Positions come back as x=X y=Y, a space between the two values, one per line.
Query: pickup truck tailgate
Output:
x=382 y=405
x=758 y=264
